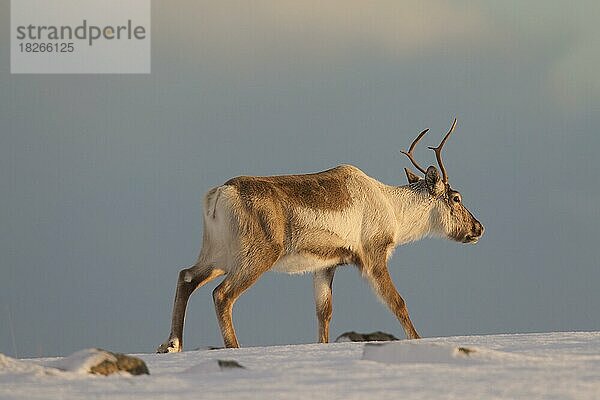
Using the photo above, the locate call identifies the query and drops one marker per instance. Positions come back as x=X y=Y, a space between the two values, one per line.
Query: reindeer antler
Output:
x=438 y=152
x=412 y=147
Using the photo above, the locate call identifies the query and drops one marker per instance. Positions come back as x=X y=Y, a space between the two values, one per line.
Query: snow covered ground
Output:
x=524 y=366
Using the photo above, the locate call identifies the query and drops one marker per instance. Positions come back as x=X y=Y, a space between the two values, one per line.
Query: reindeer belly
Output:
x=296 y=263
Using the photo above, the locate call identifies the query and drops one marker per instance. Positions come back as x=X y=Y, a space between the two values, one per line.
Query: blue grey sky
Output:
x=102 y=176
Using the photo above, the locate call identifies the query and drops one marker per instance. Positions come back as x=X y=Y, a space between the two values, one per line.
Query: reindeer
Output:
x=316 y=223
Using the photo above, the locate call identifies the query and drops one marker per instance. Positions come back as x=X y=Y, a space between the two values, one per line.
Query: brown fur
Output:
x=325 y=190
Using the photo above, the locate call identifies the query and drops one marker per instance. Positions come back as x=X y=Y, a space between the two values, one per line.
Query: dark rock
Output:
x=227 y=364
x=120 y=362
x=365 y=337
x=466 y=350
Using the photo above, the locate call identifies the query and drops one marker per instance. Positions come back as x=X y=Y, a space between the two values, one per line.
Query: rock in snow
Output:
x=365 y=337
x=228 y=364
x=100 y=362
x=212 y=366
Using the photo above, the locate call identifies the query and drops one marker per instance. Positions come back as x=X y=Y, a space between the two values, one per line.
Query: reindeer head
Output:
x=449 y=216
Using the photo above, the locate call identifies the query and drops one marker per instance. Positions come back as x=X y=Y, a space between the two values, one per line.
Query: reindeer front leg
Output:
x=322 y=283
x=374 y=269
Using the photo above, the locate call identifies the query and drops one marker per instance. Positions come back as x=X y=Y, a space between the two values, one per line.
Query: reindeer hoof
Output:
x=170 y=346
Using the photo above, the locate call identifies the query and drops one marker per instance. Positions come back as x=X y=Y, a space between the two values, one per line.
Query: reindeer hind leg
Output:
x=237 y=282
x=188 y=281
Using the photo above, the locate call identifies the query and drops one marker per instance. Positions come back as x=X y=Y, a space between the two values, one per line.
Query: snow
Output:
x=10 y=366
x=546 y=365
x=414 y=352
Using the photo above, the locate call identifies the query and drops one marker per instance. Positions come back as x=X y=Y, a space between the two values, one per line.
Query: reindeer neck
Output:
x=412 y=207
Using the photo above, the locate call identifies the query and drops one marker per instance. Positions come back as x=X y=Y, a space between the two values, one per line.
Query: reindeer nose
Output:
x=479 y=229
x=476 y=232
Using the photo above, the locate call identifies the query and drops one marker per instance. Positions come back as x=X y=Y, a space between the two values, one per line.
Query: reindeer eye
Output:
x=456 y=199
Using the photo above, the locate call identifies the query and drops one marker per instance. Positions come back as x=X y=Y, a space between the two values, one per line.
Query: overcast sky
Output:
x=102 y=176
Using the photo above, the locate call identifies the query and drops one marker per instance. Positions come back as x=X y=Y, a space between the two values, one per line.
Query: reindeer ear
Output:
x=411 y=176
x=434 y=181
